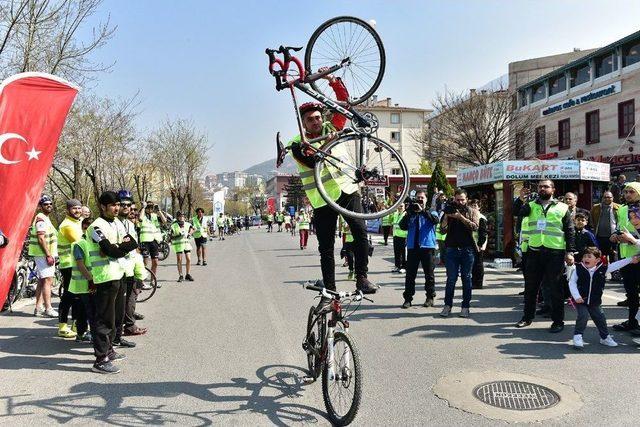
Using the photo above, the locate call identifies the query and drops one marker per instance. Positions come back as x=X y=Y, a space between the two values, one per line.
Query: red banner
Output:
x=271 y=205
x=33 y=109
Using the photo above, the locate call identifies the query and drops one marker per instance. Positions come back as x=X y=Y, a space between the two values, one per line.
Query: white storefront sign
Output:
x=480 y=174
x=515 y=170
x=582 y=99
x=595 y=171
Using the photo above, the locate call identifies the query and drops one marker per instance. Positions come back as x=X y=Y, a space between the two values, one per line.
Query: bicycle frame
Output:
x=326 y=351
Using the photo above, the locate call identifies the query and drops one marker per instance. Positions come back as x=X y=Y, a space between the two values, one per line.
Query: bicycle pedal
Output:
x=307 y=379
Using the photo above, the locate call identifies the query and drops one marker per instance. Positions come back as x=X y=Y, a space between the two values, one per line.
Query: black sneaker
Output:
x=86 y=337
x=556 y=327
x=204 y=262
x=188 y=278
x=406 y=304
x=625 y=326
x=105 y=368
x=428 y=302
x=624 y=303
x=138 y=316
x=116 y=357
x=365 y=286
x=123 y=343
x=180 y=279
x=198 y=263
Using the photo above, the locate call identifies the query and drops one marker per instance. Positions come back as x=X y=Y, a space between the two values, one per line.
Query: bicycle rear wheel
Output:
x=314 y=343
x=369 y=163
x=163 y=250
x=149 y=286
x=342 y=395
x=57 y=283
x=346 y=37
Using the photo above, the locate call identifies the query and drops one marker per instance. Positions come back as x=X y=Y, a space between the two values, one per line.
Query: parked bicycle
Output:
x=332 y=353
x=147 y=287
x=350 y=48
x=164 y=247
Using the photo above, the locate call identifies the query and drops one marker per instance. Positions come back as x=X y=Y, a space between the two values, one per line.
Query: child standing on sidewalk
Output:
x=586 y=286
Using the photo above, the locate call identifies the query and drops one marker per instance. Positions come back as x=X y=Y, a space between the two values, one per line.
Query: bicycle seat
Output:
x=284 y=49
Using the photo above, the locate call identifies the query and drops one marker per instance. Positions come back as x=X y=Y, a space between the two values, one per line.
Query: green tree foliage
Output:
x=439 y=181
x=424 y=168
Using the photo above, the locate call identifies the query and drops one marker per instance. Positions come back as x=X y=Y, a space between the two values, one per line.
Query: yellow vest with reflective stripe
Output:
x=524 y=235
x=439 y=235
x=200 y=230
x=103 y=268
x=51 y=238
x=150 y=229
x=180 y=237
x=627 y=250
x=64 y=245
x=550 y=236
x=397 y=231
x=128 y=262
x=346 y=231
x=79 y=284
x=303 y=221
x=335 y=182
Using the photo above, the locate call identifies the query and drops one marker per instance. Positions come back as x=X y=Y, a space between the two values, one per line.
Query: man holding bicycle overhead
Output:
x=339 y=187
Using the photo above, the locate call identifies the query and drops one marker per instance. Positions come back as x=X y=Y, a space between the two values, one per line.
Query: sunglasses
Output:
x=47 y=204
x=125 y=204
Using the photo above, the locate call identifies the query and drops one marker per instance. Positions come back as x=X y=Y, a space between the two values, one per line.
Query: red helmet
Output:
x=311 y=106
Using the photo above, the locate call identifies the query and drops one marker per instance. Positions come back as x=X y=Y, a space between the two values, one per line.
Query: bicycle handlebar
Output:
x=332 y=294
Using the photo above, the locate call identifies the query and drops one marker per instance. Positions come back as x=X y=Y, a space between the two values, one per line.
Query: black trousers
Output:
x=544 y=269
x=130 y=297
x=607 y=247
x=87 y=316
x=400 y=251
x=477 y=272
x=108 y=304
x=631 y=281
x=66 y=298
x=347 y=249
x=415 y=257
x=324 y=219
x=386 y=231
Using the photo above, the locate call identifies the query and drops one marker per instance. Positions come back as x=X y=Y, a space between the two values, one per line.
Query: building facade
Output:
x=587 y=108
x=275 y=187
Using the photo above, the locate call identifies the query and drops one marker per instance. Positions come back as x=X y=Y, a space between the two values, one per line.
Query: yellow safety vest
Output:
x=180 y=237
x=524 y=235
x=150 y=229
x=335 y=182
x=64 y=245
x=103 y=268
x=303 y=221
x=627 y=250
x=79 y=284
x=200 y=230
x=546 y=230
x=51 y=238
x=129 y=260
x=397 y=231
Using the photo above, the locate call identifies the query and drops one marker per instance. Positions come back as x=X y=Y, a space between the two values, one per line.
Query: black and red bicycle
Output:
x=351 y=49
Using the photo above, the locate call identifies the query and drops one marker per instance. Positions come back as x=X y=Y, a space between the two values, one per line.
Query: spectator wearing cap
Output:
x=70 y=231
x=43 y=248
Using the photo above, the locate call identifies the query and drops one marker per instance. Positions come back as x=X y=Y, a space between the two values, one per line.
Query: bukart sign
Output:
x=582 y=99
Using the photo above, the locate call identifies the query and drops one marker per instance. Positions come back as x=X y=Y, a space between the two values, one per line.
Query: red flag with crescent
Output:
x=33 y=110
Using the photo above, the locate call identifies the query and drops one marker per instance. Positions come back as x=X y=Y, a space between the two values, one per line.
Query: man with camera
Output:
x=420 y=224
x=459 y=222
x=551 y=243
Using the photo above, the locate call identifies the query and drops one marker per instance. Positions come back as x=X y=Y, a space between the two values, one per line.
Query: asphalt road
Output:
x=226 y=350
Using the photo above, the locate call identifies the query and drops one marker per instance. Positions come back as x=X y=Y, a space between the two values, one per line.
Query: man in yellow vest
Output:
x=551 y=244
x=200 y=236
x=108 y=246
x=181 y=232
x=627 y=240
x=303 y=227
x=150 y=234
x=43 y=247
x=338 y=186
x=69 y=232
x=79 y=285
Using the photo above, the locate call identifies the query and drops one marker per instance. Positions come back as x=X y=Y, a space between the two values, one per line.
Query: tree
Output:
x=295 y=192
x=424 y=168
x=476 y=129
x=439 y=181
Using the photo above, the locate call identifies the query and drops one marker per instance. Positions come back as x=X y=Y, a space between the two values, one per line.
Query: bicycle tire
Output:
x=355 y=371
x=151 y=280
x=314 y=343
x=163 y=251
x=57 y=283
x=320 y=164
x=355 y=74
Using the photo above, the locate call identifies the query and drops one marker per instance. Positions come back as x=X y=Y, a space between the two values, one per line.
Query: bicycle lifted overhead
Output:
x=351 y=48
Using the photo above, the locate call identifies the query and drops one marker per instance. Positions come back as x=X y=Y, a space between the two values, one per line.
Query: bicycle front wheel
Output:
x=57 y=283
x=367 y=162
x=163 y=250
x=149 y=286
x=342 y=394
x=354 y=40
x=314 y=344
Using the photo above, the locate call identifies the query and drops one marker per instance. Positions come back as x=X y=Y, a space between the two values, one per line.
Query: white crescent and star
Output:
x=32 y=154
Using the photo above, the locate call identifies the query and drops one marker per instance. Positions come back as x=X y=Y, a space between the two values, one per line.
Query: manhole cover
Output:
x=516 y=395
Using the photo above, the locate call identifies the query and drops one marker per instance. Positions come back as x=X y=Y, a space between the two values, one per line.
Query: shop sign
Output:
x=594 y=171
x=536 y=169
x=547 y=156
x=480 y=174
x=380 y=181
x=618 y=161
x=582 y=99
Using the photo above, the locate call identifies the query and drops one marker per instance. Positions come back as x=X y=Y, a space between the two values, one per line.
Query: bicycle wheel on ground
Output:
x=57 y=283
x=147 y=287
x=367 y=162
x=343 y=393
x=314 y=343
x=163 y=250
x=352 y=39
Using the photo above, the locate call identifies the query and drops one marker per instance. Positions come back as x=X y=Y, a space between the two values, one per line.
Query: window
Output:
x=395 y=118
x=395 y=171
x=557 y=84
x=606 y=64
x=541 y=146
x=395 y=136
x=538 y=92
x=592 y=123
x=626 y=119
x=581 y=74
x=564 y=134
x=519 y=145
x=523 y=98
x=630 y=53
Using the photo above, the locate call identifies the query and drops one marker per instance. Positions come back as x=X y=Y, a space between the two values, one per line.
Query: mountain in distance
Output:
x=267 y=168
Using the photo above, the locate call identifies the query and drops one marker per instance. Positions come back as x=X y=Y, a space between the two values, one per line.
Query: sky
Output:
x=204 y=60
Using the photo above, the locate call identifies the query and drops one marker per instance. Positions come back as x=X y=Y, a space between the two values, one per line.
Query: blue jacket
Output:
x=423 y=225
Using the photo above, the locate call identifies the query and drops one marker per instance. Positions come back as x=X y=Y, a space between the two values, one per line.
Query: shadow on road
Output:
x=272 y=394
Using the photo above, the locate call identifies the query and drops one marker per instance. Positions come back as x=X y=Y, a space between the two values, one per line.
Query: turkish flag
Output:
x=33 y=109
